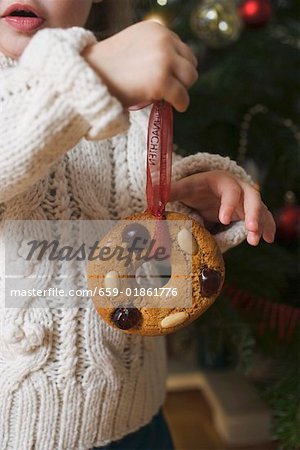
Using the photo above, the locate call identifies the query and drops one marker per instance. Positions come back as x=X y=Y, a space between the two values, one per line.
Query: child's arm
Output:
x=217 y=189
x=50 y=100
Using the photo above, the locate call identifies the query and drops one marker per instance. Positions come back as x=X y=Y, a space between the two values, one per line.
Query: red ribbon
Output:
x=159 y=157
x=159 y=168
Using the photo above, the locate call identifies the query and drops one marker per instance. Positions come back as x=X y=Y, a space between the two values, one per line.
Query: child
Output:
x=70 y=150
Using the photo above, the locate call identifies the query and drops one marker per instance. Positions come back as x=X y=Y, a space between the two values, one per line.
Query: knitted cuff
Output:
x=203 y=162
x=55 y=54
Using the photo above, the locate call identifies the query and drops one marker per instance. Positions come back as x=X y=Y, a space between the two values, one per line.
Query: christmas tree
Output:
x=246 y=105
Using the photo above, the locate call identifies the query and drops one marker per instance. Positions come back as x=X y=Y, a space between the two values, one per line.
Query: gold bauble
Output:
x=216 y=22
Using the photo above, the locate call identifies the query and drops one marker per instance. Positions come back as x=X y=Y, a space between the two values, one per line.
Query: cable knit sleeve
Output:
x=49 y=100
x=231 y=235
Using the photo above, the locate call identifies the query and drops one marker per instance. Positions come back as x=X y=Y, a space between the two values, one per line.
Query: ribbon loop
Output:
x=159 y=157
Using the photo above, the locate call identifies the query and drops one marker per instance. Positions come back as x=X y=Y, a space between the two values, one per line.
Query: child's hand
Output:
x=143 y=63
x=219 y=195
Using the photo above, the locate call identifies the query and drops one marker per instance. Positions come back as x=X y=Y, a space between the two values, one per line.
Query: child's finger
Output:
x=269 y=227
x=185 y=51
x=253 y=208
x=184 y=71
x=177 y=95
x=258 y=219
x=266 y=229
x=253 y=238
x=230 y=198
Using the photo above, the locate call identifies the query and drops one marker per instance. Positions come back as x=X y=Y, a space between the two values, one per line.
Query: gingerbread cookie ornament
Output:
x=168 y=268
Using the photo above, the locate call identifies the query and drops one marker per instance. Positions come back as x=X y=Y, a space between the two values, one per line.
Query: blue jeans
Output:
x=153 y=436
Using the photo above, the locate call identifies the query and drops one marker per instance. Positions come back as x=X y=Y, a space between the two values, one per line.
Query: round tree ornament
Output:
x=216 y=22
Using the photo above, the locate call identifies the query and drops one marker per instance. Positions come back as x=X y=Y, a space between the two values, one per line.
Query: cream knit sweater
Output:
x=69 y=151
